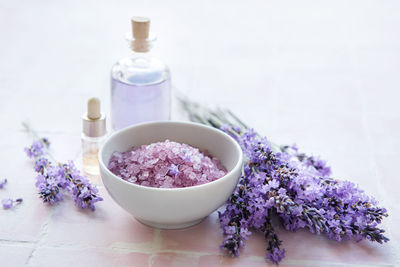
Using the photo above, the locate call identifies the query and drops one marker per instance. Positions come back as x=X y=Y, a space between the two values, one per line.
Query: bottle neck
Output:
x=136 y=54
x=140 y=45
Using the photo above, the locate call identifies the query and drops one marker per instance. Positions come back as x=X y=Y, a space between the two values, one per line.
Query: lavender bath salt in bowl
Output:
x=166 y=164
x=173 y=208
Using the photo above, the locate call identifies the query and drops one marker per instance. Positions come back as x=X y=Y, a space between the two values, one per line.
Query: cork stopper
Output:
x=140 y=33
x=140 y=28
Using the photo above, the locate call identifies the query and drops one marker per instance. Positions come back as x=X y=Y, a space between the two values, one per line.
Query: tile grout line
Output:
x=154 y=251
x=156 y=246
x=42 y=234
x=18 y=243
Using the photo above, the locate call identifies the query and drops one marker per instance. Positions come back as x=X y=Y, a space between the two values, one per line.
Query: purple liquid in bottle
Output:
x=140 y=91
x=135 y=103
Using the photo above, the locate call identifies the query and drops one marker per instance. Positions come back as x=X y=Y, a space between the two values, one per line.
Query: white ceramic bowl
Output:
x=172 y=208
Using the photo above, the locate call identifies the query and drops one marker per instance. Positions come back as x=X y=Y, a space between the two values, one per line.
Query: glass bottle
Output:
x=141 y=83
x=93 y=136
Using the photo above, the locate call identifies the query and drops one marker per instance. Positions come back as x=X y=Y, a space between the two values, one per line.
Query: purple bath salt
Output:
x=166 y=165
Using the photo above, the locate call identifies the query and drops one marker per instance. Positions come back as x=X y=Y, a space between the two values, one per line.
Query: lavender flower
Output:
x=41 y=164
x=85 y=194
x=8 y=203
x=55 y=180
x=294 y=186
x=316 y=163
x=235 y=221
x=3 y=183
x=173 y=170
x=37 y=148
x=276 y=254
x=49 y=188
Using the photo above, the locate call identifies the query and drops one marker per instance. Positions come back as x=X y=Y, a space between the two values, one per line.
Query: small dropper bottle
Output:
x=93 y=134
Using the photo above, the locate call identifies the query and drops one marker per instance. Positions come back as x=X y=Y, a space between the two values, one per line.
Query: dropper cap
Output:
x=93 y=121
x=140 y=33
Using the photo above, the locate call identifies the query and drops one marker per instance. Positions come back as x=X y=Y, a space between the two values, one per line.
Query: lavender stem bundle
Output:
x=297 y=188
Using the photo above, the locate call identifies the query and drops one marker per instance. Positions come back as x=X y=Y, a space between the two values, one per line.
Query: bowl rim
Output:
x=237 y=166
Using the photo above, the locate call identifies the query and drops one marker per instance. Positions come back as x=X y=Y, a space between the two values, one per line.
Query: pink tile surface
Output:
x=323 y=250
x=108 y=226
x=297 y=246
x=14 y=255
x=87 y=257
x=388 y=171
x=384 y=131
x=203 y=237
x=174 y=260
x=25 y=221
x=323 y=75
x=221 y=260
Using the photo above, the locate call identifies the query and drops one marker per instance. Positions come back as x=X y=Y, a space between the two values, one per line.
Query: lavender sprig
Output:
x=274 y=252
x=84 y=193
x=54 y=180
x=8 y=203
x=235 y=220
